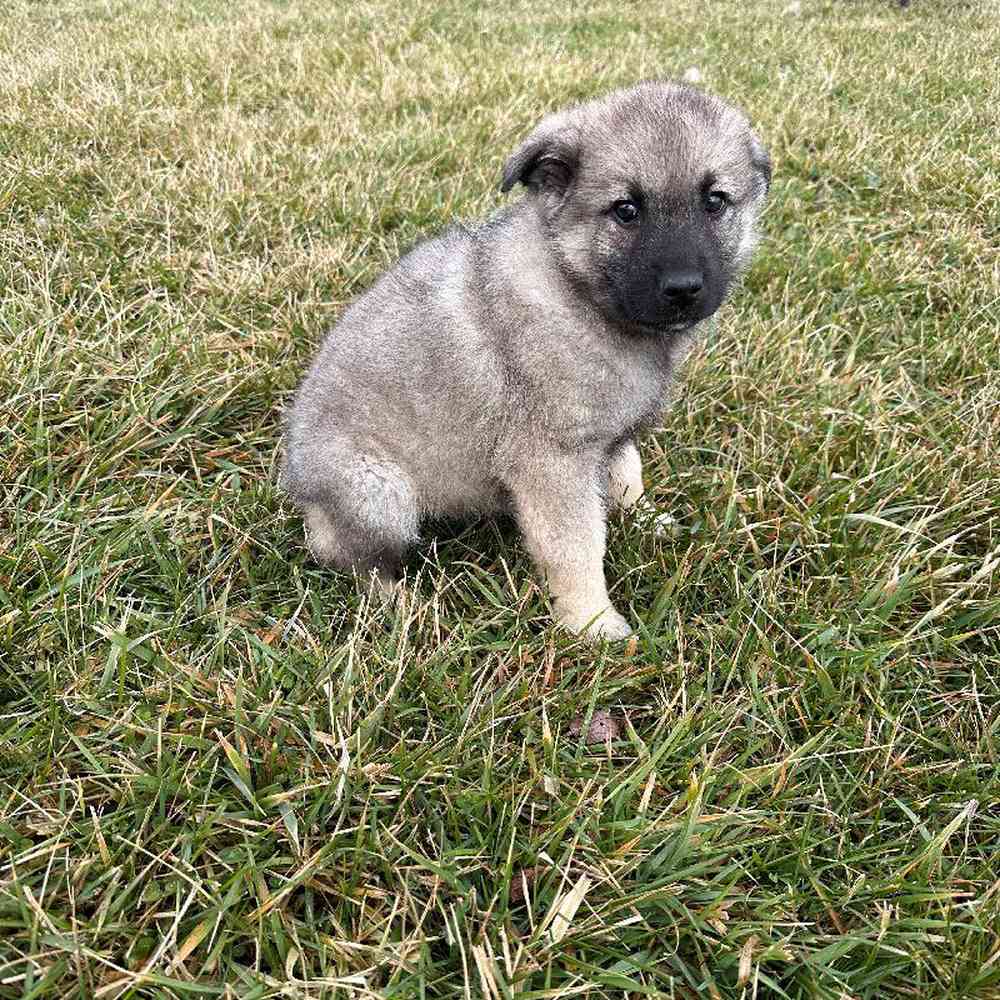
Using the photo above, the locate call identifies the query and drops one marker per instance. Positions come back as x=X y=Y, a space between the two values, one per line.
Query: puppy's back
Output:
x=408 y=371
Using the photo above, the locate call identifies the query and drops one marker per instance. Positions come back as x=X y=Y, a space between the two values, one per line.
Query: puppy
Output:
x=511 y=365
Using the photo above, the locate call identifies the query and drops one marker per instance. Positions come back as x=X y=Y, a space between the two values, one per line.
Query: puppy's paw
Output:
x=607 y=625
x=663 y=525
x=666 y=526
x=611 y=626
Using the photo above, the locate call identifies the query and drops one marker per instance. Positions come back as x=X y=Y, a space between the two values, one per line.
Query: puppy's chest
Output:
x=602 y=398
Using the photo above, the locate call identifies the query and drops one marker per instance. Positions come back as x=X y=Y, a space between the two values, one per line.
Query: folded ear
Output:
x=545 y=161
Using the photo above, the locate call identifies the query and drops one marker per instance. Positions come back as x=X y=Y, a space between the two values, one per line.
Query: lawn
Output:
x=223 y=774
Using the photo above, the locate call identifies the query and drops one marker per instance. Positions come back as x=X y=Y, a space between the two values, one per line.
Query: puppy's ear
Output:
x=546 y=161
x=761 y=162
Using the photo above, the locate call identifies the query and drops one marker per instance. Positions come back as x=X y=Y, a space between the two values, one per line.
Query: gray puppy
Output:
x=510 y=366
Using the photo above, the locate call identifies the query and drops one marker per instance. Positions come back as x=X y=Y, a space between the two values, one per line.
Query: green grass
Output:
x=222 y=775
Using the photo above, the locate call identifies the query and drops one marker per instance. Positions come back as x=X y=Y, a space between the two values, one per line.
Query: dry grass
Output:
x=223 y=776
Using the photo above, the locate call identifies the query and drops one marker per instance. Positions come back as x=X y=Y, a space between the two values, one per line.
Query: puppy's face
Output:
x=649 y=199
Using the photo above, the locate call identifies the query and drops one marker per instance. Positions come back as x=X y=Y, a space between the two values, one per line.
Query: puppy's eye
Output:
x=626 y=212
x=716 y=202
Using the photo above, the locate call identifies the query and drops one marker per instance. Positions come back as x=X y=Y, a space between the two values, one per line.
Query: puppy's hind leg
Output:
x=334 y=543
x=365 y=520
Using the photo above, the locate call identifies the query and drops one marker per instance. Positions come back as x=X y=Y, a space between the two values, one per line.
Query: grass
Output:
x=222 y=774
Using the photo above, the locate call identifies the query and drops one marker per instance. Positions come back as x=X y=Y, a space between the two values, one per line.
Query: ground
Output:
x=223 y=774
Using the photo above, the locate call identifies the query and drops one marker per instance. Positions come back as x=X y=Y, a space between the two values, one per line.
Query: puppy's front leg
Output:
x=561 y=513
x=626 y=490
x=625 y=476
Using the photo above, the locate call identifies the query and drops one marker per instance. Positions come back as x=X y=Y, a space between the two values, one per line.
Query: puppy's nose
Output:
x=680 y=285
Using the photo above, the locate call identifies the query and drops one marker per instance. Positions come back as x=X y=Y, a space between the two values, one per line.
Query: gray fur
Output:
x=511 y=365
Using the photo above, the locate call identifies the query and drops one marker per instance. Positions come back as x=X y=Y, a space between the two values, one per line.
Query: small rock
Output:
x=692 y=75
x=794 y=9
x=603 y=726
x=520 y=881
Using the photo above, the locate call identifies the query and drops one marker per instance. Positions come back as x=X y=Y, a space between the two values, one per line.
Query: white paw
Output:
x=607 y=625
x=663 y=525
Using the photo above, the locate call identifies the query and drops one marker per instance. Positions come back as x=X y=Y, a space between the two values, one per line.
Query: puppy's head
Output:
x=649 y=199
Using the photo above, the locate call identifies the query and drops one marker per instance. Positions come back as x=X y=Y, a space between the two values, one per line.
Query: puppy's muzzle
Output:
x=681 y=288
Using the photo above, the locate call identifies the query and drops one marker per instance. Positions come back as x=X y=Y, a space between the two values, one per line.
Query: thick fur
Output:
x=511 y=365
